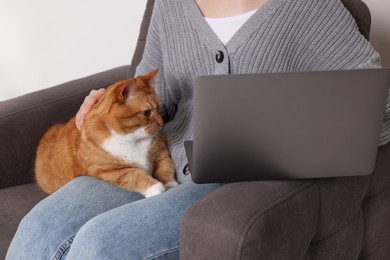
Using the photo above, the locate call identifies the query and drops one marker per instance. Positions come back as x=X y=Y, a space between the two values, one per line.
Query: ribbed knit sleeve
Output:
x=339 y=46
x=332 y=40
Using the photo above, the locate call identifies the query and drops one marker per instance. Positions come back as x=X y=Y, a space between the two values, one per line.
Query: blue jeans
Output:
x=92 y=219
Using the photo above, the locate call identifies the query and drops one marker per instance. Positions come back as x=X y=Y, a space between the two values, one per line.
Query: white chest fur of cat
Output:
x=133 y=147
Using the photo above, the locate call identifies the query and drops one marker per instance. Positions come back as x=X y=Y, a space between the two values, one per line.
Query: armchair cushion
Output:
x=15 y=203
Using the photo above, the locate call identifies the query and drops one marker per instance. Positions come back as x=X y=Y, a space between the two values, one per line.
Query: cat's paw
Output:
x=171 y=184
x=154 y=190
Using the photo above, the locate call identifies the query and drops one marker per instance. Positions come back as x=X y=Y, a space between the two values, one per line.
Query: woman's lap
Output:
x=108 y=221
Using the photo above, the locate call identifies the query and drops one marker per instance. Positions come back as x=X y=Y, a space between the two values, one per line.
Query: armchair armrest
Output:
x=291 y=219
x=24 y=119
x=254 y=220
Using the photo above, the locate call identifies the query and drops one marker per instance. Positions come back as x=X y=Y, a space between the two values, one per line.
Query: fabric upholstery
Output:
x=139 y=50
x=249 y=221
x=282 y=215
x=361 y=14
x=346 y=223
x=376 y=215
x=376 y=206
x=15 y=203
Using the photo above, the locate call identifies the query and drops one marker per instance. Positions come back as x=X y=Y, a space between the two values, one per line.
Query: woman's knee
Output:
x=99 y=240
x=95 y=240
x=126 y=233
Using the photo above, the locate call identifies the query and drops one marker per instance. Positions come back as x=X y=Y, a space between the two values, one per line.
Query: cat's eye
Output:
x=147 y=113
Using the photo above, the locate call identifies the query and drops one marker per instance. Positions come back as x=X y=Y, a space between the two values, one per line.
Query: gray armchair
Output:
x=337 y=218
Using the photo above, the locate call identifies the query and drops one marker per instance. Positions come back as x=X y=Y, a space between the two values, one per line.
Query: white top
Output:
x=226 y=27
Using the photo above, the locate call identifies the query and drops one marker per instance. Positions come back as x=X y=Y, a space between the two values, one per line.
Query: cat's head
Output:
x=127 y=106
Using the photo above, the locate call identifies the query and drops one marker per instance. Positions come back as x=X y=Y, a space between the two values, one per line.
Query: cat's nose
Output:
x=160 y=121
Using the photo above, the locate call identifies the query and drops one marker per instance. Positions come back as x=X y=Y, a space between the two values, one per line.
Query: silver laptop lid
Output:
x=287 y=125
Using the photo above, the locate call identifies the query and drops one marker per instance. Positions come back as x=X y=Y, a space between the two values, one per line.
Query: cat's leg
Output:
x=48 y=230
x=165 y=170
x=133 y=179
x=145 y=229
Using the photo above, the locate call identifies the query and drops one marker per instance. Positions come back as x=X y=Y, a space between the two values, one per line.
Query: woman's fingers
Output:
x=87 y=105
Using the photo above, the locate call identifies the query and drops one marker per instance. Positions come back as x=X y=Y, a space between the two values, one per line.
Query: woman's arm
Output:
x=340 y=45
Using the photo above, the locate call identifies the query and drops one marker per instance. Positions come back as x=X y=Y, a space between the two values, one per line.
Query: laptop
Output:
x=286 y=125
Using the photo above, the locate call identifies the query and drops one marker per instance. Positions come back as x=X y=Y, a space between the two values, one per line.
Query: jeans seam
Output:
x=162 y=253
x=65 y=245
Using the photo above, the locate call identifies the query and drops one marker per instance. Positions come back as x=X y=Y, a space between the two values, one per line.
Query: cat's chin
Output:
x=154 y=190
x=151 y=134
x=152 y=129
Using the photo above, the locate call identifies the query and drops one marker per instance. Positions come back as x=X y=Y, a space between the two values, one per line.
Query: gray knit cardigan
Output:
x=282 y=36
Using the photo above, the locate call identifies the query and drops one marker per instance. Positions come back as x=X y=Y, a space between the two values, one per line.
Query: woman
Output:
x=90 y=219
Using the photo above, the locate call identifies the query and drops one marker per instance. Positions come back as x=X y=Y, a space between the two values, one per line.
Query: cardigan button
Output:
x=186 y=170
x=219 y=56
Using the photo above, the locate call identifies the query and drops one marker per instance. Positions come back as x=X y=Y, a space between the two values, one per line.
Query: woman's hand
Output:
x=87 y=105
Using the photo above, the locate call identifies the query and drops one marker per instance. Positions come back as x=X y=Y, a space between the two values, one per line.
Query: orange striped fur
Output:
x=119 y=143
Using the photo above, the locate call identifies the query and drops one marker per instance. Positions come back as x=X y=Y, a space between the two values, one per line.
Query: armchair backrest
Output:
x=139 y=49
x=361 y=14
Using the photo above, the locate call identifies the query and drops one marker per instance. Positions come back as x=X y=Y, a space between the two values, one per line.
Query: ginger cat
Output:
x=119 y=143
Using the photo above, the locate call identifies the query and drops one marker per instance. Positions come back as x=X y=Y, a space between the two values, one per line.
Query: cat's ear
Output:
x=125 y=89
x=149 y=79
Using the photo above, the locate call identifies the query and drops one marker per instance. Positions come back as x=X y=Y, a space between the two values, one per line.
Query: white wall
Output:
x=47 y=42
